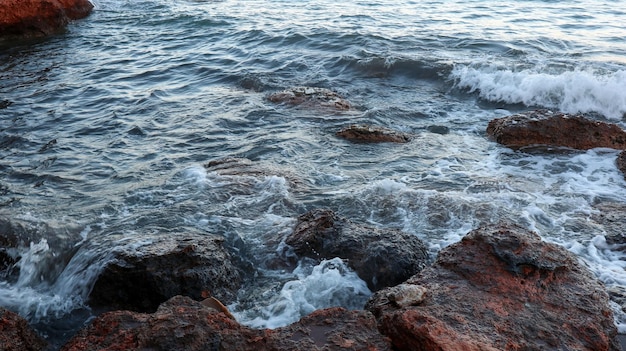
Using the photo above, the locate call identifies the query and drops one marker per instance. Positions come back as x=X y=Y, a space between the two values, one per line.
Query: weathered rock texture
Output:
x=372 y=134
x=310 y=97
x=548 y=128
x=380 y=257
x=499 y=289
x=39 y=17
x=141 y=278
x=16 y=335
x=184 y=324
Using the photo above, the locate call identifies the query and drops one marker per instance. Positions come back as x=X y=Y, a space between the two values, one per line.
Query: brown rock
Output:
x=16 y=335
x=184 y=324
x=372 y=134
x=548 y=128
x=143 y=275
x=39 y=17
x=501 y=289
x=380 y=257
x=310 y=97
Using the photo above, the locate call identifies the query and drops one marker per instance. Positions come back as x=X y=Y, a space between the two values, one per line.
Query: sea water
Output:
x=105 y=130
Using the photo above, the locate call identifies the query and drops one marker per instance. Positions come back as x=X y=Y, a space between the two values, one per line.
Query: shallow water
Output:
x=104 y=131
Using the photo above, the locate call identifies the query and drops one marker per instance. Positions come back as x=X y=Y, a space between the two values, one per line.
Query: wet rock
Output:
x=184 y=324
x=548 y=128
x=310 y=97
x=438 y=129
x=372 y=134
x=39 y=17
x=16 y=334
x=501 y=288
x=612 y=218
x=243 y=167
x=380 y=257
x=146 y=273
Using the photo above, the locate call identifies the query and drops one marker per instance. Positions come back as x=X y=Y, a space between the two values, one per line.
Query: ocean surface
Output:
x=105 y=130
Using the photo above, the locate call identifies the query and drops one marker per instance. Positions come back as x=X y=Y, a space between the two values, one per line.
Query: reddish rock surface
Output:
x=39 y=17
x=144 y=274
x=310 y=97
x=380 y=257
x=499 y=289
x=548 y=128
x=16 y=335
x=184 y=324
x=372 y=134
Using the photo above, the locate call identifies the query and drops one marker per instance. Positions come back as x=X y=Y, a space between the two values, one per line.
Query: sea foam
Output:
x=570 y=91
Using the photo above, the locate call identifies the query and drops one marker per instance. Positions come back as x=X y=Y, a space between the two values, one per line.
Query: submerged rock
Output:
x=372 y=134
x=17 y=335
x=500 y=288
x=184 y=324
x=39 y=17
x=144 y=274
x=310 y=97
x=381 y=257
x=621 y=162
x=548 y=128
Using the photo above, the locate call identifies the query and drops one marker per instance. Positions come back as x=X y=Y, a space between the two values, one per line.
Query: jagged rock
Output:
x=146 y=273
x=380 y=257
x=501 y=288
x=184 y=324
x=16 y=334
x=372 y=134
x=548 y=128
x=39 y=17
x=310 y=97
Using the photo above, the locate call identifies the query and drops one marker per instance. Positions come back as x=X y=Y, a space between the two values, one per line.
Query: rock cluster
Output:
x=500 y=288
x=39 y=17
x=184 y=324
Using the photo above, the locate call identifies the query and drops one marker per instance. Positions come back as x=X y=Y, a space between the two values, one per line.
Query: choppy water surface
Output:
x=104 y=131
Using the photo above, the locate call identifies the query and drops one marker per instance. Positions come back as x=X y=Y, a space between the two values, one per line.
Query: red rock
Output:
x=372 y=134
x=184 y=324
x=39 y=17
x=547 y=128
x=501 y=289
x=16 y=335
x=380 y=257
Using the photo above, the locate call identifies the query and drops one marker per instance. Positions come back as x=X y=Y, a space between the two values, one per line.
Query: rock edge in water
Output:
x=372 y=134
x=32 y=18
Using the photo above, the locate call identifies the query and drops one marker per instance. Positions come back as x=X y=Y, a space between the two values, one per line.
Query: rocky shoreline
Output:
x=500 y=288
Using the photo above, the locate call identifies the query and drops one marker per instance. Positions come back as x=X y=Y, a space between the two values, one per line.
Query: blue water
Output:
x=104 y=131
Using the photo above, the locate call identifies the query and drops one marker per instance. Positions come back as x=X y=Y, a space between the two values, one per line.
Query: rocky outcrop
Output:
x=380 y=257
x=498 y=288
x=310 y=97
x=372 y=134
x=145 y=273
x=243 y=167
x=16 y=335
x=548 y=128
x=39 y=17
x=184 y=324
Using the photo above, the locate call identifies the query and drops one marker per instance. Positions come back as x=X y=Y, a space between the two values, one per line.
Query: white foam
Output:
x=571 y=91
x=330 y=283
